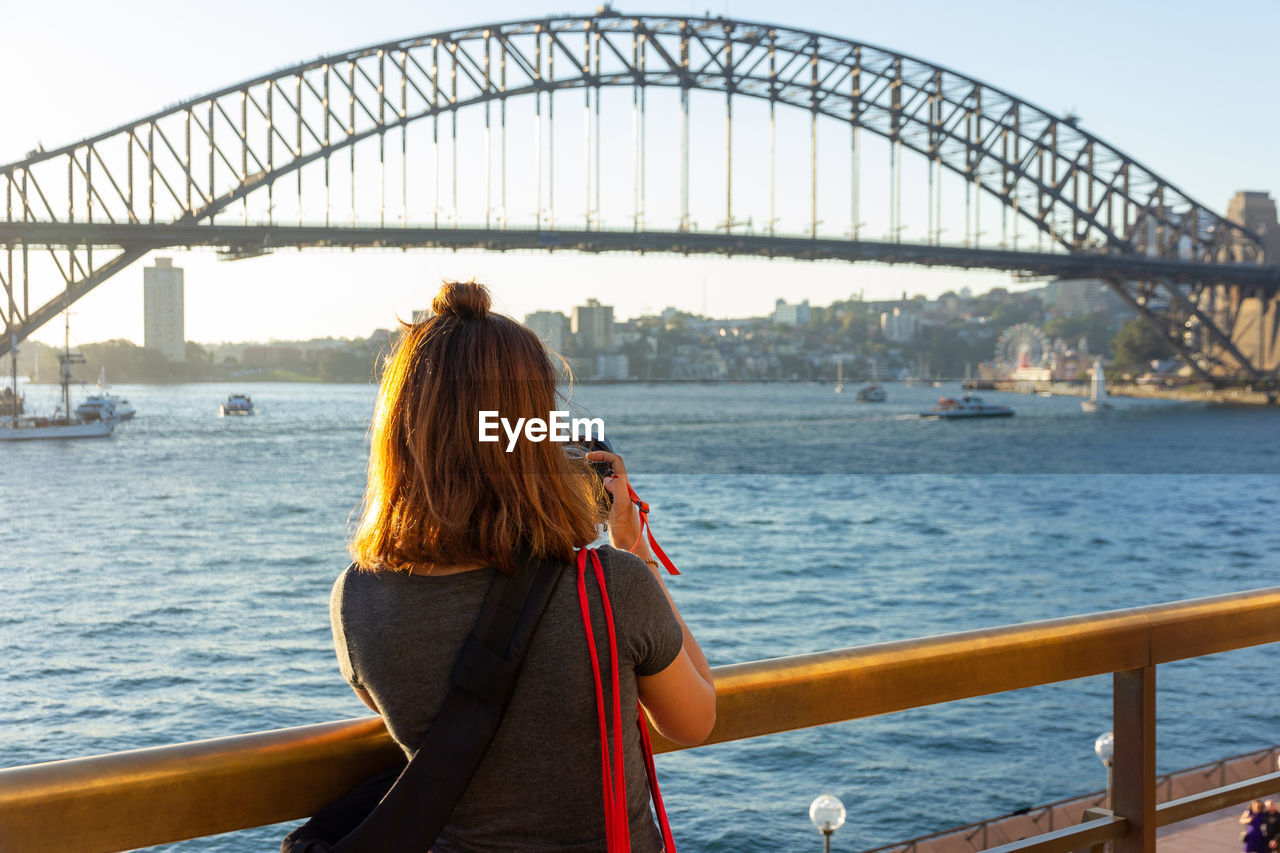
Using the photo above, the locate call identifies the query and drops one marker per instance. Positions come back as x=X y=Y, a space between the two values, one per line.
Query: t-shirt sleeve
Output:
x=336 y=622
x=652 y=631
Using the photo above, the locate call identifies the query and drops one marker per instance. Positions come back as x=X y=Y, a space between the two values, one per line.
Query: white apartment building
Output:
x=900 y=326
x=162 y=310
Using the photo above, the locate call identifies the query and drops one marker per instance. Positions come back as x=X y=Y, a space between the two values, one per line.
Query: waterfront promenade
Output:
x=1216 y=832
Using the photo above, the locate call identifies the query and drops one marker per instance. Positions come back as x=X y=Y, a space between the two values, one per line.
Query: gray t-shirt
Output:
x=539 y=786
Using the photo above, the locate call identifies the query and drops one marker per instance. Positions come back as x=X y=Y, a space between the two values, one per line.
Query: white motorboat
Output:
x=1097 y=401
x=236 y=404
x=102 y=405
x=873 y=393
x=968 y=406
x=63 y=424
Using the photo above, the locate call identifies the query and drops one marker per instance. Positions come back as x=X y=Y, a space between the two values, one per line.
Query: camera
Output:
x=579 y=450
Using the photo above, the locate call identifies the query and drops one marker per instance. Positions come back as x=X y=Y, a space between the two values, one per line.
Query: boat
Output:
x=102 y=405
x=840 y=376
x=236 y=404
x=11 y=404
x=29 y=428
x=63 y=423
x=873 y=393
x=968 y=406
x=1097 y=401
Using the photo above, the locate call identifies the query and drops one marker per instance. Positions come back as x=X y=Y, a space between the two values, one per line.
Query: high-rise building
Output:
x=797 y=314
x=592 y=325
x=162 y=310
x=551 y=326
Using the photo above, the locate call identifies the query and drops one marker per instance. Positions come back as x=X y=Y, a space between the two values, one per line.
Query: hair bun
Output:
x=466 y=300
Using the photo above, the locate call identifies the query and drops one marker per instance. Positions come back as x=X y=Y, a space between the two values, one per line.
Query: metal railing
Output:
x=1069 y=812
x=151 y=796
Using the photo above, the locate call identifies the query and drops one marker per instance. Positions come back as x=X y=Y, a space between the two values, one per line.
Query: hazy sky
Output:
x=1186 y=89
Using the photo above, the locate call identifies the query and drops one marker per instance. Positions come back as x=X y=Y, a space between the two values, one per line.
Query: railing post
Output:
x=1134 y=796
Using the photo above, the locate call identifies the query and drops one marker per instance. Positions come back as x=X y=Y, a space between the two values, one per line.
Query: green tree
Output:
x=197 y=354
x=1097 y=328
x=1137 y=343
x=339 y=364
x=1012 y=313
x=125 y=361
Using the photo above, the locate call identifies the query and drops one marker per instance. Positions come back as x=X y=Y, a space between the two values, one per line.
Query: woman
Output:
x=442 y=512
x=1255 y=841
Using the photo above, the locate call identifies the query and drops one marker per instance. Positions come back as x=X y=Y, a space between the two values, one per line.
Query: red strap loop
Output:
x=647 y=530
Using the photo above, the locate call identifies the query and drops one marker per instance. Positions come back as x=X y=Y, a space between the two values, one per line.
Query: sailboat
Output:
x=1097 y=401
x=63 y=423
x=839 y=375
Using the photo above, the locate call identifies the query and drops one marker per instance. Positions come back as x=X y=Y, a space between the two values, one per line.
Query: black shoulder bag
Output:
x=409 y=816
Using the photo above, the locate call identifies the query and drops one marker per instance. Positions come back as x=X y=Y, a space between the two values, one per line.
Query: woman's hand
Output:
x=624 y=517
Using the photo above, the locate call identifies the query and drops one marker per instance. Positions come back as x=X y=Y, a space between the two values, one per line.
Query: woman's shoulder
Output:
x=343 y=586
x=617 y=562
x=354 y=584
x=627 y=574
x=348 y=578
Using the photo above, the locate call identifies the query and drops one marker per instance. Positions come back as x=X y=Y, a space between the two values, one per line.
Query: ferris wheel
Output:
x=1023 y=345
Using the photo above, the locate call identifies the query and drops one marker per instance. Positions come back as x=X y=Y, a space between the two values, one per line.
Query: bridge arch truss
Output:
x=232 y=154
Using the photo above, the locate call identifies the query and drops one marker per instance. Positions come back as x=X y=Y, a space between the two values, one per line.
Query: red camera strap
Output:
x=615 y=782
x=612 y=765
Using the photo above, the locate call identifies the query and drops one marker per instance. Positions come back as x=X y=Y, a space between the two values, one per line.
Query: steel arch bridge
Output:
x=333 y=134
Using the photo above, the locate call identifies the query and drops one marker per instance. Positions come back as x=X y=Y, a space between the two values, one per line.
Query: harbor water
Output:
x=171 y=583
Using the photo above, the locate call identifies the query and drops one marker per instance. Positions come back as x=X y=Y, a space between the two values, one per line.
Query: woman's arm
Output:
x=681 y=699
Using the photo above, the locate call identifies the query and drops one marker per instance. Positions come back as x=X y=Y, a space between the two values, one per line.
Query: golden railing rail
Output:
x=150 y=796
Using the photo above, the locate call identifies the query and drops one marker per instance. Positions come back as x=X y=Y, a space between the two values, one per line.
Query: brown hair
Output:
x=437 y=495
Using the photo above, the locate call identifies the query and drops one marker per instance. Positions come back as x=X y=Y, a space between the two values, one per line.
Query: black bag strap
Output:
x=415 y=810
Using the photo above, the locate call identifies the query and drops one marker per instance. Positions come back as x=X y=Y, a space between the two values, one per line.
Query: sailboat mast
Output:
x=66 y=369
x=13 y=345
x=13 y=365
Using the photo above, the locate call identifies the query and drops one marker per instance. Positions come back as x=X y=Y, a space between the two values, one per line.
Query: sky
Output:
x=1184 y=91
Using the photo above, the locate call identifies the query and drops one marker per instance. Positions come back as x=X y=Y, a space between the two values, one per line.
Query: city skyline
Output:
x=1218 y=154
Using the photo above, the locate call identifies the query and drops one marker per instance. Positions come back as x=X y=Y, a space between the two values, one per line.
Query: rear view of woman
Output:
x=442 y=512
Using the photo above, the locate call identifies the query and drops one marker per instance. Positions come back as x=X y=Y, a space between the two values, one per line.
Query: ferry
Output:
x=968 y=406
x=236 y=404
x=102 y=405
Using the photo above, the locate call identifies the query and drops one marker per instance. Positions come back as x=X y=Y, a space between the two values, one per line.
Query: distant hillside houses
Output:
x=949 y=336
